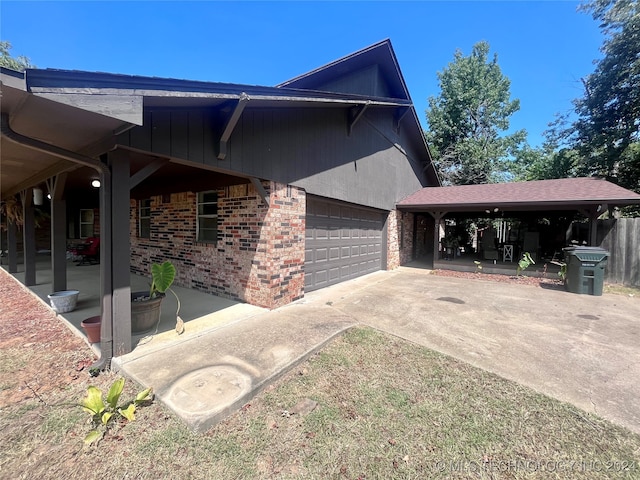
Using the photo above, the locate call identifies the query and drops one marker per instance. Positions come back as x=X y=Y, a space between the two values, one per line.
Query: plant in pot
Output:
x=145 y=306
x=450 y=242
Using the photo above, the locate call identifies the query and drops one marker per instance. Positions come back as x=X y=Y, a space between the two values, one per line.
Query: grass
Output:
x=386 y=408
x=622 y=289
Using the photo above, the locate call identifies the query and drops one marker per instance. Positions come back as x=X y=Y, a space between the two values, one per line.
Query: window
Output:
x=86 y=223
x=144 y=218
x=207 y=218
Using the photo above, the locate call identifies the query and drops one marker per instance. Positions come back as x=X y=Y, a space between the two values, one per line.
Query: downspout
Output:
x=106 y=337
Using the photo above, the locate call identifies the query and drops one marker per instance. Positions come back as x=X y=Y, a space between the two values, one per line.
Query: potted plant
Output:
x=145 y=306
x=450 y=242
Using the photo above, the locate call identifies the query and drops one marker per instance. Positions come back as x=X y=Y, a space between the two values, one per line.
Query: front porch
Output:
x=200 y=311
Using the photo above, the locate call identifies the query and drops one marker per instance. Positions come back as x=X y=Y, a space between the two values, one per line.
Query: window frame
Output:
x=144 y=205
x=200 y=202
x=83 y=223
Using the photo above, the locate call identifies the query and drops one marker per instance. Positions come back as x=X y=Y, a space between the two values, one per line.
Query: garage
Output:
x=343 y=241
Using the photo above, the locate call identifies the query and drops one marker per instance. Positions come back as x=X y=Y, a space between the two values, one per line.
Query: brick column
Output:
x=277 y=270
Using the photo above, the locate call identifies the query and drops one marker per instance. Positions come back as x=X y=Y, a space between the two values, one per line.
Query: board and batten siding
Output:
x=621 y=238
x=306 y=147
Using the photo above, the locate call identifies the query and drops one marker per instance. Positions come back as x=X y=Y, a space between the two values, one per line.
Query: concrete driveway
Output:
x=577 y=348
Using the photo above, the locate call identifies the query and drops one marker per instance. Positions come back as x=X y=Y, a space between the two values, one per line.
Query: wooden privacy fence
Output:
x=621 y=238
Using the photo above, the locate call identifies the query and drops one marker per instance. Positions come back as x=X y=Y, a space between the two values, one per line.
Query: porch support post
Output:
x=58 y=232
x=437 y=216
x=106 y=283
x=120 y=250
x=28 y=237
x=12 y=246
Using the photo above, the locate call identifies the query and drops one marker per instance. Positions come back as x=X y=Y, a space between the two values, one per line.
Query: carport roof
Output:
x=560 y=194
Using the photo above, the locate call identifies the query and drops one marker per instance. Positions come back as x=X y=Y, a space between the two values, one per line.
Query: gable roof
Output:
x=560 y=194
x=382 y=56
x=78 y=97
x=379 y=54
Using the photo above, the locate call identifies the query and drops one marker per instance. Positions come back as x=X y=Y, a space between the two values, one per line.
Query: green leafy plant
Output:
x=162 y=276
x=478 y=266
x=563 y=271
x=524 y=263
x=104 y=411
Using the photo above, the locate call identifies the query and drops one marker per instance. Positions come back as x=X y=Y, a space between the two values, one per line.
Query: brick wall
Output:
x=399 y=238
x=393 y=239
x=406 y=246
x=259 y=255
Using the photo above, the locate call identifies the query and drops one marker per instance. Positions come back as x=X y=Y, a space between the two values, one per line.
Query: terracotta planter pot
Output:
x=92 y=327
x=144 y=313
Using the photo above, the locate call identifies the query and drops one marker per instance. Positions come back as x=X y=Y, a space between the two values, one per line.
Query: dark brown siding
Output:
x=306 y=147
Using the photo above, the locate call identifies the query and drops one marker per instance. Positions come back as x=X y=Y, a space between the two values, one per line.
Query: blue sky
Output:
x=544 y=47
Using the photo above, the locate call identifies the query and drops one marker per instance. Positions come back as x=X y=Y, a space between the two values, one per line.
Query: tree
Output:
x=19 y=64
x=555 y=159
x=607 y=130
x=545 y=163
x=467 y=118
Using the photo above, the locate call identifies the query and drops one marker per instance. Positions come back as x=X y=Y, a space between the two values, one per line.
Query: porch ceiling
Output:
x=64 y=126
x=175 y=177
x=170 y=178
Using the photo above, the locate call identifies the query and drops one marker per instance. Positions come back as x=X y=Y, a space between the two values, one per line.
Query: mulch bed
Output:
x=55 y=356
x=517 y=280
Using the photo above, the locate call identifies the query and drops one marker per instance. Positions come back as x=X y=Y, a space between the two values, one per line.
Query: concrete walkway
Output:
x=580 y=349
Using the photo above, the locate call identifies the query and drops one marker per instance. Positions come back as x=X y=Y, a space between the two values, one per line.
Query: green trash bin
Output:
x=585 y=269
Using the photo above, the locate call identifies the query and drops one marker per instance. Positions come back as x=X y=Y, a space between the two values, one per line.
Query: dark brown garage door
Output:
x=342 y=242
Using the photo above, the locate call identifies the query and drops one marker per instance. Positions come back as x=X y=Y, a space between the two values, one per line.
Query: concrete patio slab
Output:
x=204 y=378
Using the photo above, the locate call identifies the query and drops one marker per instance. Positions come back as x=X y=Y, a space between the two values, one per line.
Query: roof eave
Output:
x=515 y=206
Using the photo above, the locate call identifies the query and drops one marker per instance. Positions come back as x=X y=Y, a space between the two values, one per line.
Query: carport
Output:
x=590 y=197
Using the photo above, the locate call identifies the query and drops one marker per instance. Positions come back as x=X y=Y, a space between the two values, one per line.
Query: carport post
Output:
x=437 y=216
x=593 y=214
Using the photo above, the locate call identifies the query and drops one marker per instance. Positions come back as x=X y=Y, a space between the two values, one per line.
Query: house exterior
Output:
x=259 y=194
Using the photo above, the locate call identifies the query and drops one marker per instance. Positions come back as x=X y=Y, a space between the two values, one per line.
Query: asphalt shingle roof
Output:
x=541 y=193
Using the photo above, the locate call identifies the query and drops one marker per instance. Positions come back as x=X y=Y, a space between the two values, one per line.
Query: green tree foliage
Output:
x=607 y=130
x=20 y=63
x=467 y=118
x=545 y=163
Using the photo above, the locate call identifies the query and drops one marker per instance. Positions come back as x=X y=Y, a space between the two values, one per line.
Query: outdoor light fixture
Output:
x=37 y=196
x=95 y=183
x=496 y=209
